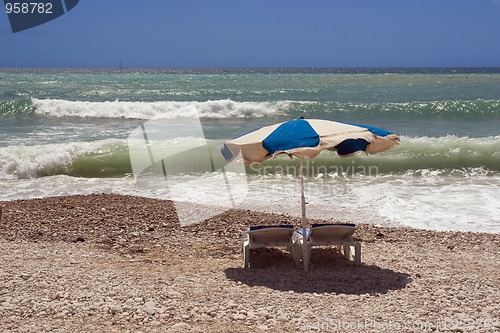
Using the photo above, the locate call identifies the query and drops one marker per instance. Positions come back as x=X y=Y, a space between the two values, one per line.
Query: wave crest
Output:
x=156 y=110
x=421 y=156
x=227 y=108
x=107 y=158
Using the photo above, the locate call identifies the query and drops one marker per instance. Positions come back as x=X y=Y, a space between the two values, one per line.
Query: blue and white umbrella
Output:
x=307 y=138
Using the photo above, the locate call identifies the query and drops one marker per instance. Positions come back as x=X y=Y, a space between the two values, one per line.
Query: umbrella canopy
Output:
x=307 y=138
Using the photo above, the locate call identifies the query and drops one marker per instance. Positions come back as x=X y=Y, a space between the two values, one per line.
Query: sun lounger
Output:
x=338 y=235
x=270 y=236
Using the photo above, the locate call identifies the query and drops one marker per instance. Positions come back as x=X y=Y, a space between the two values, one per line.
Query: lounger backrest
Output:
x=271 y=235
x=332 y=232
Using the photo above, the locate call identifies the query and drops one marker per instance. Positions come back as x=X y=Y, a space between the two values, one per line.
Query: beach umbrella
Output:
x=307 y=138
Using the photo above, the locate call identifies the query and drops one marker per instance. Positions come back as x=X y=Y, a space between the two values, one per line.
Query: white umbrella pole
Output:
x=305 y=258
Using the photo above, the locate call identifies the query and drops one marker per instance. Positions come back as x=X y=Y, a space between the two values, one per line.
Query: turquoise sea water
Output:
x=65 y=132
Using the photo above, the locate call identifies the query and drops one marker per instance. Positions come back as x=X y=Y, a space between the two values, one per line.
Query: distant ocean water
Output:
x=65 y=132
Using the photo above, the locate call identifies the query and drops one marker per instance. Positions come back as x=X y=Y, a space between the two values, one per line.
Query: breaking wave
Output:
x=231 y=109
x=421 y=156
x=155 y=110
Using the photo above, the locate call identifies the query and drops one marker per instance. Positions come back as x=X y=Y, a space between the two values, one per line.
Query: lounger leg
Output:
x=347 y=252
x=246 y=255
x=295 y=250
x=357 y=254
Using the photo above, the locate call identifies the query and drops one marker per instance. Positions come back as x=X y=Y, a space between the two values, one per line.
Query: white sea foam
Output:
x=430 y=202
x=415 y=157
x=436 y=203
x=156 y=110
x=22 y=162
x=427 y=202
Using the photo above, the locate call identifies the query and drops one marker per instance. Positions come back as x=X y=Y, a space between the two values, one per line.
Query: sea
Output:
x=69 y=131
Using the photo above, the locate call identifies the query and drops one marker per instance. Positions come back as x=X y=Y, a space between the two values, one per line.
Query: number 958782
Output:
x=28 y=8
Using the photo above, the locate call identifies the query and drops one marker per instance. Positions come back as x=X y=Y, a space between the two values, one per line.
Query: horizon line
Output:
x=258 y=67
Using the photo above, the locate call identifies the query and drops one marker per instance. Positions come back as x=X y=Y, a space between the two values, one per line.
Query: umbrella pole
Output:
x=305 y=258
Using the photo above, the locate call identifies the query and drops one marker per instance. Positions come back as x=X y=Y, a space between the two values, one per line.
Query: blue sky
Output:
x=255 y=33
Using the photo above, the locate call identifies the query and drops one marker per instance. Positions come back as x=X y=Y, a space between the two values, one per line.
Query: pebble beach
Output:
x=114 y=263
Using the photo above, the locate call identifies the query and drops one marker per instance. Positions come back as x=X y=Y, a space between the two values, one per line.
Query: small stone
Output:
x=179 y=327
x=272 y=322
x=114 y=309
x=7 y=306
x=282 y=319
x=306 y=314
x=150 y=308
x=489 y=309
x=174 y=294
x=263 y=313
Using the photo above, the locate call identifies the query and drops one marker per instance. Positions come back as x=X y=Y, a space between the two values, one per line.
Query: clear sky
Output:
x=261 y=33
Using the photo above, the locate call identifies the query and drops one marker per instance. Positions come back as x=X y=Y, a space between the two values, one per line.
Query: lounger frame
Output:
x=270 y=237
x=337 y=235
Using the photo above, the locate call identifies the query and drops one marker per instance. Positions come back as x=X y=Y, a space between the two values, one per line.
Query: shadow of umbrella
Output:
x=334 y=275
